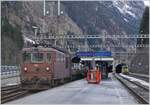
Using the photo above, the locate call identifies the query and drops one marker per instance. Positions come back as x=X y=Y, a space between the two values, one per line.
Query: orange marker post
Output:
x=98 y=76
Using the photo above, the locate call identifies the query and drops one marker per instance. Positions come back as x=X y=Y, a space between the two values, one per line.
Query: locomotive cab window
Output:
x=37 y=57
x=48 y=57
x=26 y=57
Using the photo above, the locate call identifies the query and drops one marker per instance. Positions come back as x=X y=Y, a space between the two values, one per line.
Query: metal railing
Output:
x=10 y=70
x=10 y=75
x=65 y=36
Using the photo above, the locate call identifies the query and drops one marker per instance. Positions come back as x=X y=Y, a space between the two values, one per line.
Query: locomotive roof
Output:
x=45 y=49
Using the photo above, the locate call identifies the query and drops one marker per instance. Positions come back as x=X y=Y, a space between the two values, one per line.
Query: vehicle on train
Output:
x=43 y=68
x=125 y=69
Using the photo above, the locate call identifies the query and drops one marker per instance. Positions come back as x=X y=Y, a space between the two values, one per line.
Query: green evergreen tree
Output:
x=11 y=43
x=144 y=27
x=13 y=33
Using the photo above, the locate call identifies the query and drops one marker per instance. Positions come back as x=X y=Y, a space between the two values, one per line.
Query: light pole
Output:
x=58 y=8
x=44 y=8
x=58 y=21
x=35 y=32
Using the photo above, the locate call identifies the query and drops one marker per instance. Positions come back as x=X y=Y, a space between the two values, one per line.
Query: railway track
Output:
x=140 y=76
x=12 y=92
x=140 y=92
x=146 y=88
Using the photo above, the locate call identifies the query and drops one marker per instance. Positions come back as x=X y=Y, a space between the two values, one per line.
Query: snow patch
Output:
x=135 y=79
x=130 y=13
x=126 y=20
x=11 y=84
x=28 y=40
x=147 y=2
x=127 y=7
x=96 y=8
x=121 y=10
x=124 y=8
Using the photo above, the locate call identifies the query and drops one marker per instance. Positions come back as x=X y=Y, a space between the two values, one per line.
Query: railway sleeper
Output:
x=12 y=96
x=10 y=91
x=140 y=98
x=10 y=87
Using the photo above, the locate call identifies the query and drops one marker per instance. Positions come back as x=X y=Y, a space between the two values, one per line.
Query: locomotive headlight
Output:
x=47 y=68
x=25 y=68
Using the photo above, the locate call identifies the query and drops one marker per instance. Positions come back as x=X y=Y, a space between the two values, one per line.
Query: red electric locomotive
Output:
x=43 y=68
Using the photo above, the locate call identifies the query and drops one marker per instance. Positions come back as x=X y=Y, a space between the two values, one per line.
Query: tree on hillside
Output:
x=12 y=42
x=144 y=27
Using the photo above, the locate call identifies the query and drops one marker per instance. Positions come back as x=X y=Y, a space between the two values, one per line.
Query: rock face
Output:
x=107 y=17
x=29 y=14
x=26 y=15
x=140 y=61
x=117 y=17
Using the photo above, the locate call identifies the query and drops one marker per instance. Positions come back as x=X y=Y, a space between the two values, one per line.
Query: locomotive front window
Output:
x=26 y=57
x=37 y=57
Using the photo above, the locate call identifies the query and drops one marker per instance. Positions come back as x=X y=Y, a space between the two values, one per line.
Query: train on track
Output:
x=45 y=67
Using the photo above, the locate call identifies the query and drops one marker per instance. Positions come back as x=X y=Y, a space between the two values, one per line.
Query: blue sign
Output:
x=103 y=53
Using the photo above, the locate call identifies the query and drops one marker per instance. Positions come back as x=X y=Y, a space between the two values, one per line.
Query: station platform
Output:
x=109 y=91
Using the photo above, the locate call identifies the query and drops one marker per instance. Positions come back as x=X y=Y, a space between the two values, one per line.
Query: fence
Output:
x=9 y=70
x=10 y=75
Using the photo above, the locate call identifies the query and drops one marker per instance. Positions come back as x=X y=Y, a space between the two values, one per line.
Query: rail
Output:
x=139 y=85
x=13 y=92
x=140 y=93
x=141 y=75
